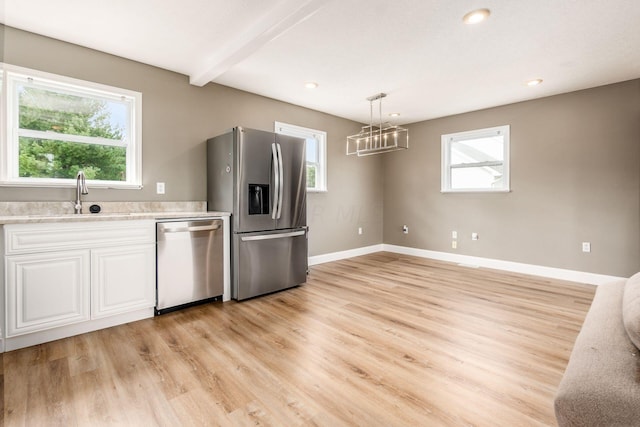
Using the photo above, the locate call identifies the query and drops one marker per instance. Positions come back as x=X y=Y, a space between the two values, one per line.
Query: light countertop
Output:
x=110 y=216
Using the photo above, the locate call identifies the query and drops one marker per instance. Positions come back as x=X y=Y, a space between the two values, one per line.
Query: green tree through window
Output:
x=65 y=114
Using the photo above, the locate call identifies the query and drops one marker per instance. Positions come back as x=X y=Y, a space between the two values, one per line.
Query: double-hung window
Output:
x=316 y=153
x=476 y=160
x=57 y=126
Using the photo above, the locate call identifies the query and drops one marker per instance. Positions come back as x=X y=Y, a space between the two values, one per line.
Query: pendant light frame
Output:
x=380 y=138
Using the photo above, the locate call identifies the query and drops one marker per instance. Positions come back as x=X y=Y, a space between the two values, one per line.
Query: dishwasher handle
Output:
x=187 y=229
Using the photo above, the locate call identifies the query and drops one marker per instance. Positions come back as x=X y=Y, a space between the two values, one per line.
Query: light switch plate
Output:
x=159 y=187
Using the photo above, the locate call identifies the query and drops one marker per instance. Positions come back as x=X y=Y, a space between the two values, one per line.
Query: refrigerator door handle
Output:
x=276 y=180
x=281 y=186
x=273 y=236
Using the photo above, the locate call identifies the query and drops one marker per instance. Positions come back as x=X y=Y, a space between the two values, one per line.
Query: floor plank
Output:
x=378 y=340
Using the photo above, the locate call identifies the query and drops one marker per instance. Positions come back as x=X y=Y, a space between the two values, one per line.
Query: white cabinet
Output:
x=122 y=279
x=46 y=290
x=62 y=279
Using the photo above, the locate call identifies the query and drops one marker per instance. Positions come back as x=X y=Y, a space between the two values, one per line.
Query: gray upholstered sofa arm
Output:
x=601 y=385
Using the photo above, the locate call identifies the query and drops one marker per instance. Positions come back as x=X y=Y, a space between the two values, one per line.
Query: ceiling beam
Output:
x=270 y=26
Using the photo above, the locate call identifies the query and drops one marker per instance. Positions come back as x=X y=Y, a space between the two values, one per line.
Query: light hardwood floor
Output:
x=378 y=340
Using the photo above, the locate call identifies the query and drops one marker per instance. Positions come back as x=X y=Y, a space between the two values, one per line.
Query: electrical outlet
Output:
x=474 y=236
x=454 y=244
x=405 y=229
x=159 y=187
x=586 y=246
x=359 y=230
x=454 y=234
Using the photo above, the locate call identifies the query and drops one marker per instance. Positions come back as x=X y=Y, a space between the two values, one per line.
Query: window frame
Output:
x=11 y=75
x=321 y=138
x=446 y=166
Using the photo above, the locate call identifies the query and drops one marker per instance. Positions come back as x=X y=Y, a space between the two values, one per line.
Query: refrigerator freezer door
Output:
x=256 y=169
x=269 y=262
x=293 y=204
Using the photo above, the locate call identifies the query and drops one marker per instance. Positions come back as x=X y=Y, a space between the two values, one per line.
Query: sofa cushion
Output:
x=601 y=384
x=631 y=309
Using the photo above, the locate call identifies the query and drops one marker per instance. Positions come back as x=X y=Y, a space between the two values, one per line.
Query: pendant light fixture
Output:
x=379 y=138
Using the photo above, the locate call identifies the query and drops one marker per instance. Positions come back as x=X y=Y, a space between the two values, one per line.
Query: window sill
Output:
x=313 y=190
x=40 y=184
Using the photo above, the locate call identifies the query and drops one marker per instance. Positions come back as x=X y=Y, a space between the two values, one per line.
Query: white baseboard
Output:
x=335 y=256
x=471 y=261
x=516 y=267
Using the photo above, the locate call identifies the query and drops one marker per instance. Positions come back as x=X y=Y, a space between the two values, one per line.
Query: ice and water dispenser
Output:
x=258 y=199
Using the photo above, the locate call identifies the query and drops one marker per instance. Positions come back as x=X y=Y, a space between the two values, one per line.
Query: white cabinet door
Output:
x=46 y=290
x=123 y=279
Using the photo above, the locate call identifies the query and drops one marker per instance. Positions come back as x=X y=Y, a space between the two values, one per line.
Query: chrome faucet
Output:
x=81 y=188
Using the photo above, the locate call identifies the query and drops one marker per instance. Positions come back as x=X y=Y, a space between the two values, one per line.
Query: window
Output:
x=316 y=151
x=56 y=126
x=476 y=160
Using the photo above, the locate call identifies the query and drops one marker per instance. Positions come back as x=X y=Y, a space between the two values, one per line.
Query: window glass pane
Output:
x=58 y=125
x=477 y=150
x=315 y=151
x=48 y=158
x=312 y=150
x=58 y=111
x=476 y=160
x=476 y=177
x=311 y=176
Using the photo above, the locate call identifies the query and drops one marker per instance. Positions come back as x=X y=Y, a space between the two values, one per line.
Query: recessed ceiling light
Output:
x=311 y=85
x=534 y=82
x=394 y=114
x=476 y=16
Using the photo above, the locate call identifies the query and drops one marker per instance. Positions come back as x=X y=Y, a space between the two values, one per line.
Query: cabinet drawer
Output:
x=47 y=237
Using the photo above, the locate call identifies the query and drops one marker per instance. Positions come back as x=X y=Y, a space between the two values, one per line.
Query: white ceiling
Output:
x=419 y=52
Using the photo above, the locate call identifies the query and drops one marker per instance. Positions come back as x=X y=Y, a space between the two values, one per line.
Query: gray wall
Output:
x=178 y=118
x=575 y=176
x=1 y=42
x=575 y=172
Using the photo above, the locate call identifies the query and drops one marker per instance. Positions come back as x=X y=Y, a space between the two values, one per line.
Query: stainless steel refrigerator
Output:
x=260 y=177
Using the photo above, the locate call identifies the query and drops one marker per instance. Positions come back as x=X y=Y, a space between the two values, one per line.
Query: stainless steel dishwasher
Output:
x=190 y=263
